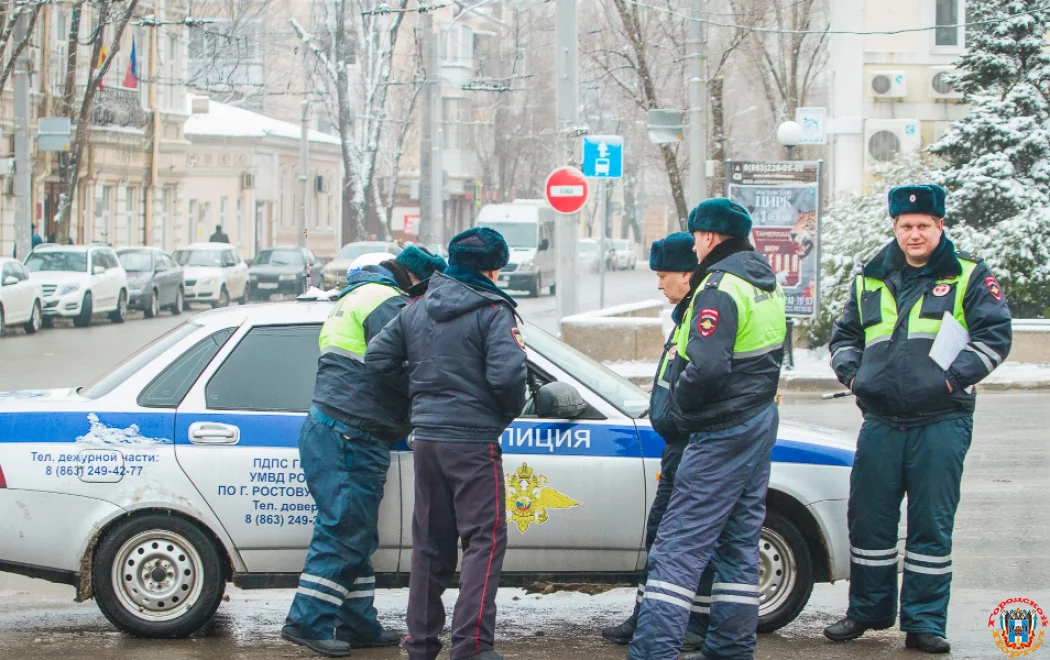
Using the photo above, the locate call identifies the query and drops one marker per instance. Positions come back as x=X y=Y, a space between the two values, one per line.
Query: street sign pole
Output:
x=603 y=206
x=567 y=227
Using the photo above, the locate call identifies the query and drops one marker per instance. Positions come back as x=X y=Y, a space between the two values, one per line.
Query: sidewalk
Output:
x=812 y=373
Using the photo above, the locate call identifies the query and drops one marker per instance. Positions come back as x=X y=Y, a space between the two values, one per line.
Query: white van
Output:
x=528 y=227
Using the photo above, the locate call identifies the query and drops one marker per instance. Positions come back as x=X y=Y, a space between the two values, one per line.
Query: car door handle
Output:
x=213 y=433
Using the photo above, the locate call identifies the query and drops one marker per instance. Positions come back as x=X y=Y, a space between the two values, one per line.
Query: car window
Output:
x=168 y=261
x=169 y=388
x=22 y=270
x=131 y=365
x=74 y=262
x=136 y=261
x=279 y=258
x=208 y=258
x=272 y=369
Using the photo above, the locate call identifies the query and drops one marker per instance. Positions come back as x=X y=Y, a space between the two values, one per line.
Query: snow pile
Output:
x=615 y=317
x=223 y=120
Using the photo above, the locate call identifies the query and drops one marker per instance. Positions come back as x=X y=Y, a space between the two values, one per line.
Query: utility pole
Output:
x=697 y=108
x=151 y=191
x=568 y=95
x=304 y=171
x=431 y=198
x=23 y=162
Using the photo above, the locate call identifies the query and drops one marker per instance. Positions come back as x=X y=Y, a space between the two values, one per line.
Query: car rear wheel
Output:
x=180 y=303
x=36 y=321
x=86 y=310
x=120 y=314
x=785 y=572
x=157 y=576
x=154 y=305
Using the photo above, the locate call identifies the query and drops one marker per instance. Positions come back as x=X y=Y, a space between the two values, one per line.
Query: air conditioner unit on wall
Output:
x=888 y=84
x=940 y=88
x=885 y=139
x=247 y=180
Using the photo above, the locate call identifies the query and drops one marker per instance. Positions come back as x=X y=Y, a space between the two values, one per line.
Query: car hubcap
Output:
x=777 y=571
x=157 y=575
x=123 y=307
x=154 y=306
x=36 y=318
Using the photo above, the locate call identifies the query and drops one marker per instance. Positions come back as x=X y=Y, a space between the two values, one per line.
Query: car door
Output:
x=164 y=278
x=236 y=437
x=18 y=297
x=576 y=489
x=102 y=297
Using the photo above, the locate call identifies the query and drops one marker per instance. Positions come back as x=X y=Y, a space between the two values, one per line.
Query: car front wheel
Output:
x=86 y=310
x=785 y=572
x=157 y=576
x=154 y=305
x=120 y=314
x=36 y=321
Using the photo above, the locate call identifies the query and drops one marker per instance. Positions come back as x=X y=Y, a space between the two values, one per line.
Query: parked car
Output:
x=155 y=279
x=334 y=274
x=282 y=270
x=587 y=254
x=79 y=281
x=21 y=298
x=212 y=273
x=528 y=227
x=178 y=471
x=623 y=254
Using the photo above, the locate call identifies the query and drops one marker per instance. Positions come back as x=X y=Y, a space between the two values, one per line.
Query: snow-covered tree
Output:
x=998 y=157
x=853 y=229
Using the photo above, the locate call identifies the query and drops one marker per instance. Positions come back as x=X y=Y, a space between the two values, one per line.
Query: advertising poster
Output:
x=784 y=201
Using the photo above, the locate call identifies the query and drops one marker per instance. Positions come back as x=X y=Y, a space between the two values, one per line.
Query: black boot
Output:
x=332 y=648
x=846 y=629
x=927 y=643
x=386 y=638
x=692 y=642
x=622 y=633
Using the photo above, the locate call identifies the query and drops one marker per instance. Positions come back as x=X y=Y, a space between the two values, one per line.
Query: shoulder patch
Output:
x=715 y=279
x=968 y=256
x=518 y=338
x=994 y=288
x=707 y=322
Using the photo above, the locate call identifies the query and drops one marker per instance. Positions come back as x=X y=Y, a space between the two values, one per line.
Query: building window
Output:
x=129 y=212
x=947 y=21
x=459 y=45
x=455 y=118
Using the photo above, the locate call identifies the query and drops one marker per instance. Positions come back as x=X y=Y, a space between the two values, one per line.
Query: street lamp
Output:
x=789 y=134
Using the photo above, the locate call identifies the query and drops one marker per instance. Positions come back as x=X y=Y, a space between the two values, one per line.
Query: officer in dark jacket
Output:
x=674 y=261
x=918 y=416
x=466 y=362
x=344 y=450
x=724 y=398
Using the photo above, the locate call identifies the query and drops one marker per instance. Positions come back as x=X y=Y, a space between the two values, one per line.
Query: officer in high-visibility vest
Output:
x=674 y=260
x=725 y=399
x=918 y=415
x=344 y=448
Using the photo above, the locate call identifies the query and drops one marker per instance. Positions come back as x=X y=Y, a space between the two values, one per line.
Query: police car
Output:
x=177 y=472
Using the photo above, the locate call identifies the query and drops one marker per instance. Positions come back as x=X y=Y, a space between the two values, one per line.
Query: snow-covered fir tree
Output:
x=998 y=157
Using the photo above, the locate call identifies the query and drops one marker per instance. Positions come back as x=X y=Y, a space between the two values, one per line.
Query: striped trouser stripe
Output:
x=667 y=586
x=702 y=609
x=732 y=598
x=305 y=577
x=732 y=586
x=874 y=562
x=313 y=593
x=873 y=553
x=674 y=600
x=929 y=559
x=367 y=593
x=876 y=558
x=371 y=579
x=915 y=568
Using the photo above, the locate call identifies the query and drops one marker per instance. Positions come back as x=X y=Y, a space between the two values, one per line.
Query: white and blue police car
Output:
x=177 y=472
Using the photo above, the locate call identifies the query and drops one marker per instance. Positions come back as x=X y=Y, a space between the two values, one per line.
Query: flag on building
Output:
x=131 y=79
x=101 y=58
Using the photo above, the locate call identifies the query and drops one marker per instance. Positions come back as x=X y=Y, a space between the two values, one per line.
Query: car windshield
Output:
x=73 y=262
x=210 y=258
x=627 y=397
x=139 y=261
x=131 y=365
x=517 y=234
x=620 y=245
x=279 y=258
x=355 y=250
x=588 y=248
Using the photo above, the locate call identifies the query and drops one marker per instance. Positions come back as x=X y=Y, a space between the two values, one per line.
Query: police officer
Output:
x=674 y=261
x=466 y=363
x=918 y=416
x=344 y=449
x=724 y=398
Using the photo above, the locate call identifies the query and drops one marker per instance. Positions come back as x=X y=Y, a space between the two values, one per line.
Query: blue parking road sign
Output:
x=603 y=156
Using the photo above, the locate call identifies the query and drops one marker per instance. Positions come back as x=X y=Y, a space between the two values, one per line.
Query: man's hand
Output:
x=851 y=383
x=951 y=390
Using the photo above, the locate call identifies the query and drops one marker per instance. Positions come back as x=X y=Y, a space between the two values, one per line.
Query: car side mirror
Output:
x=10 y=280
x=559 y=401
x=98 y=270
x=544 y=244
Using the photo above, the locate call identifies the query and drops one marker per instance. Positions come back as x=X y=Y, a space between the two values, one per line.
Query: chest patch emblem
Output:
x=941 y=290
x=708 y=322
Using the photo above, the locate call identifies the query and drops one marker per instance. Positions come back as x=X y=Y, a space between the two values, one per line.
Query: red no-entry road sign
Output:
x=567 y=190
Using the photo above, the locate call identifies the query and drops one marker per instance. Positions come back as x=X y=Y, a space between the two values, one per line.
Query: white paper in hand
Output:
x=951 y=339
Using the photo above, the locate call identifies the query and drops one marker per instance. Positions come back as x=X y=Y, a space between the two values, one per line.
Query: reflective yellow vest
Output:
x=344 y=332
x=760 y=317
x=918 y=327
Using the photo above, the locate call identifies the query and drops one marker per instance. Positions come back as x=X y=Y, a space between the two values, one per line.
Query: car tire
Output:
x=554 y=289
x=36 y=321
x=224 y=299
x=786 y=568
x=154 y=305
x=86 y=310
x=120 y=314
x=180 y=303
x=1 y=321
x=536 y=287
x=157 y=576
